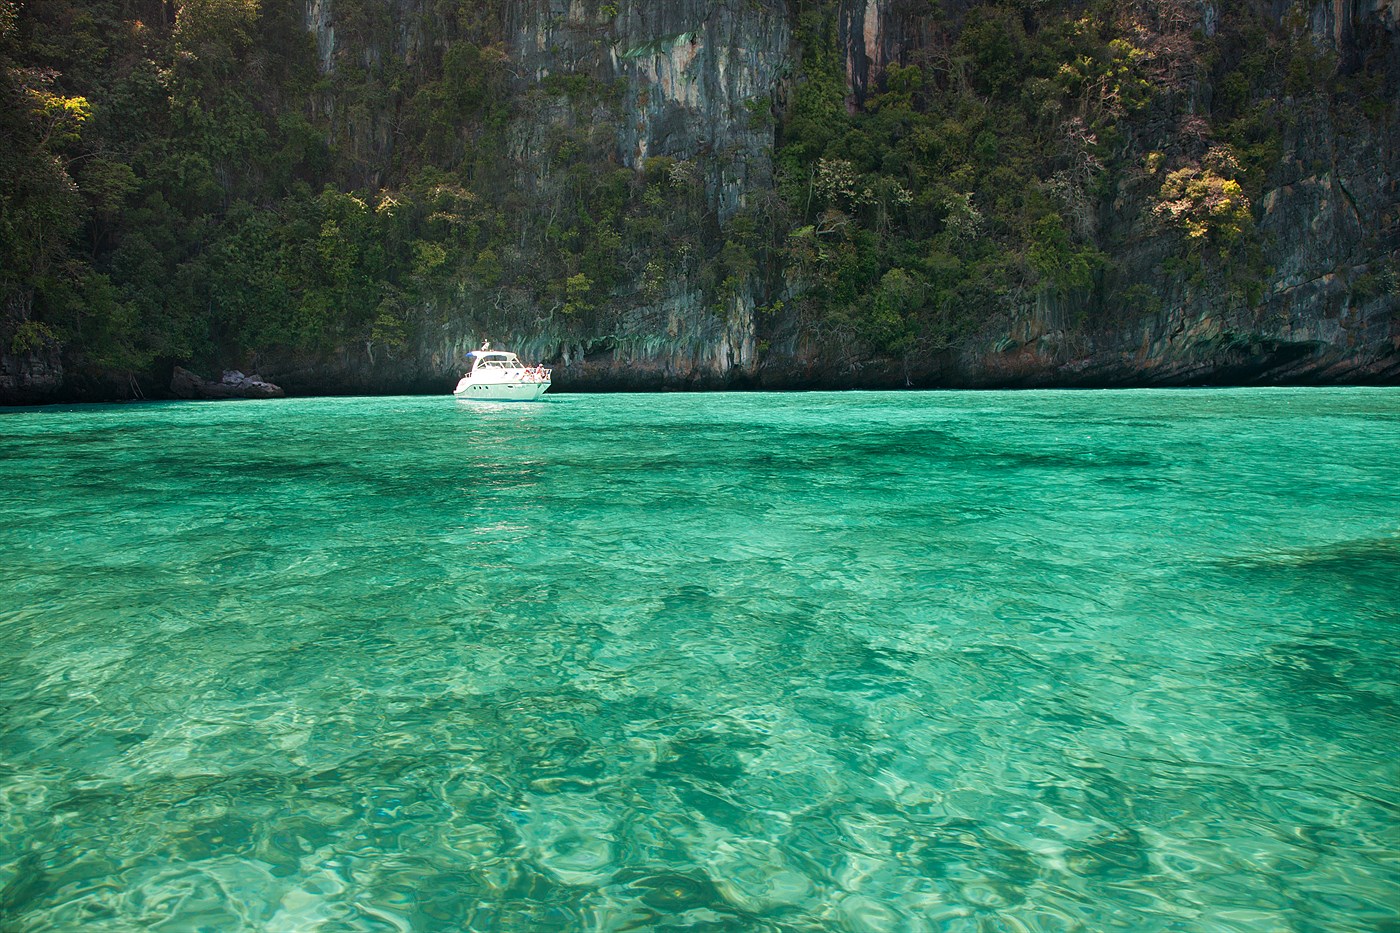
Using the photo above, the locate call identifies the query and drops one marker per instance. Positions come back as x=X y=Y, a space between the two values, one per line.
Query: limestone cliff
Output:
x=697 y=78
x=693 y=75
x=1328 y=309
x=347 y=195
x=1328 y=304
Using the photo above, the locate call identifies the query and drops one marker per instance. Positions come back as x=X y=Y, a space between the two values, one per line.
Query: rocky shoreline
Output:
x=231 y=385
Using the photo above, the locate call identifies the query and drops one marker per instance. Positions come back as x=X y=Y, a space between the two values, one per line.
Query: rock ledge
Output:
x=233 y=384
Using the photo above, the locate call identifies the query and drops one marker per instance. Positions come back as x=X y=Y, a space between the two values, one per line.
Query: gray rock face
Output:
x=320 y=24
x=699 y=84
x=695 y=72
x=32 y=377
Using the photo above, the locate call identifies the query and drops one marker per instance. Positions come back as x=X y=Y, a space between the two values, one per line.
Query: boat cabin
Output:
x=488 y=360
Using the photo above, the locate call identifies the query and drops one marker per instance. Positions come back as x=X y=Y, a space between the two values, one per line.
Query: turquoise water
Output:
x=856 y=661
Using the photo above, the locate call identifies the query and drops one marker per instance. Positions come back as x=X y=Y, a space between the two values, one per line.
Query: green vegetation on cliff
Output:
x=983 y=169
x=191 y=183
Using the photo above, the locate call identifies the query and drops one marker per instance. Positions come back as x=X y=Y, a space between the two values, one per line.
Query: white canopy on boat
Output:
x=496 y=357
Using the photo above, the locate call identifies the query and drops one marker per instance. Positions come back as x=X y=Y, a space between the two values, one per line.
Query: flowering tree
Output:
x=1207 y=202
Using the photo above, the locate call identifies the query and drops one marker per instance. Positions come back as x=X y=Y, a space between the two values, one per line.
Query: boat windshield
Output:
x=497 y=362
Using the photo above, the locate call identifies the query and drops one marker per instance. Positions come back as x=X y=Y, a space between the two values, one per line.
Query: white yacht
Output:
x=499 y=376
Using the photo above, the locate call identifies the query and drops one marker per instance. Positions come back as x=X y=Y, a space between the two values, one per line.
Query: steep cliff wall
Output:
x=1315 y=300
x=696 y=83
x=1324 y=302
x=347 y=195
x=596 y=89
x=1329 y=231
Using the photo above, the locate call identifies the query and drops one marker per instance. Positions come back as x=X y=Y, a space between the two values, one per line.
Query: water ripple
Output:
x=857 y=661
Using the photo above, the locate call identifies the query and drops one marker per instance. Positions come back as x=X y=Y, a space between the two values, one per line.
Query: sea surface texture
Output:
x=1038 y=661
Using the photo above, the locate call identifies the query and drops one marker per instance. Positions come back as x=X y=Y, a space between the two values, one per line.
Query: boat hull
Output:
x=501 y=391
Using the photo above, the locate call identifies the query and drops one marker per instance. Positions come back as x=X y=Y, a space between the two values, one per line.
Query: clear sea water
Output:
x=854 y=661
